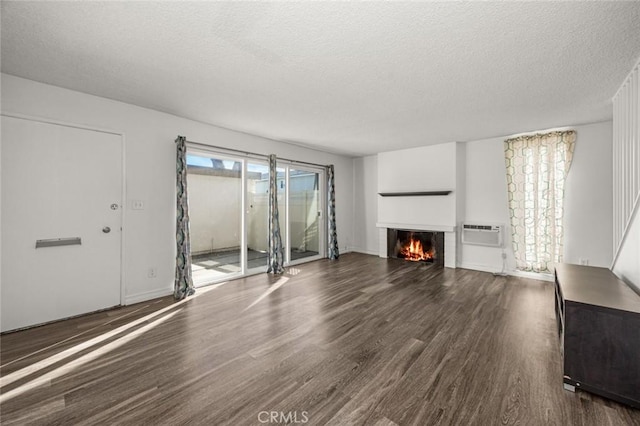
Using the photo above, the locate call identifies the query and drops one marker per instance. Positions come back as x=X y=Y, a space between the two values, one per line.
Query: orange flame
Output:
x=413 y=251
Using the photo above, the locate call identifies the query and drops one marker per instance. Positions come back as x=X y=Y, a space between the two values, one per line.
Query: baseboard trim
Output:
x=513 y=273
x=363 y=251
x=147 y=295
x=481 y=268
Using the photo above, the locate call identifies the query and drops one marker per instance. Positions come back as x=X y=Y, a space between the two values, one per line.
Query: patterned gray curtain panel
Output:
x=184 y=283
x=334 y=253
x=276 y=252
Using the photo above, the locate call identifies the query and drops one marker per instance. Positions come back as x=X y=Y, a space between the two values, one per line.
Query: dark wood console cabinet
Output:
x=599 y=325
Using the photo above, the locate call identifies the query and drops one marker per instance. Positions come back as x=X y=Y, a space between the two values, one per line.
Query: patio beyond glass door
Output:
x=229 y=214
x=215 y=211
x=257 y=215
x=304 y=214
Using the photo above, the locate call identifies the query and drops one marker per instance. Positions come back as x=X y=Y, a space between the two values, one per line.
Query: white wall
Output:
x=149 y=238
x=460 y=194
x=588 y=214
x=429 y=168
x=365 y=204
x=588 y=223
x=486 y=201
x=588 y=219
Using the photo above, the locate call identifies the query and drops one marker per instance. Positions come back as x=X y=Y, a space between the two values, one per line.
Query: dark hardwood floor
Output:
x=361 y=340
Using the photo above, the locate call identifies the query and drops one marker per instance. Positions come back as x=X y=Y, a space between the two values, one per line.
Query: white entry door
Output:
x=60 y=185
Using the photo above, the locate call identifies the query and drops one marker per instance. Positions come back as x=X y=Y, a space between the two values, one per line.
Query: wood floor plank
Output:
x=360 y=340
x=363 y=404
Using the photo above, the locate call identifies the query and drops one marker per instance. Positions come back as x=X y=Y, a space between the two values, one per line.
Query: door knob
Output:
x=106 y=229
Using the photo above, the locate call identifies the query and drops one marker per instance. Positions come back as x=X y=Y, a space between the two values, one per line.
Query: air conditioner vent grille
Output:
x=482 y=235
x=486 y=227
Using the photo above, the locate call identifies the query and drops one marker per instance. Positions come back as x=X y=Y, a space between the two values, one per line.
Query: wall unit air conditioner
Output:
x=482 y=235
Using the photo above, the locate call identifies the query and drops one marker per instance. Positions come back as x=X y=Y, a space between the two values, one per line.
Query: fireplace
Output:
x=416 y=246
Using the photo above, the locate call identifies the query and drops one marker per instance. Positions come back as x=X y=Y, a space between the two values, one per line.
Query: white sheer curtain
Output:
x=537 y=167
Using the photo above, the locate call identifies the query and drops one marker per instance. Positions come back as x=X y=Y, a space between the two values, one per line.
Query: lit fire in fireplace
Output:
x=413 y=251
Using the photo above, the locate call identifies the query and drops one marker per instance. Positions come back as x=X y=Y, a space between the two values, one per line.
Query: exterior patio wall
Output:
x=215 y=203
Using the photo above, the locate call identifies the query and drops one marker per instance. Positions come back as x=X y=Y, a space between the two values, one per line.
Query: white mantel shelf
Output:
x=414 y=227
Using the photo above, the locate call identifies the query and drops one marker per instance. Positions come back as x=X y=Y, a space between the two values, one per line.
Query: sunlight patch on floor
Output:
x=33 y=368
x=282 y=281
x=84 y=359
x=293 y=271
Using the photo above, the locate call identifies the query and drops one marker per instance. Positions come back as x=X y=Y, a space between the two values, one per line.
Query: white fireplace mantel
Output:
x=414 y=227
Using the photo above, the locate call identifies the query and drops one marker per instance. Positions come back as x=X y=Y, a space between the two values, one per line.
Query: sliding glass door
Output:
x=305 y=214
x=229 y=214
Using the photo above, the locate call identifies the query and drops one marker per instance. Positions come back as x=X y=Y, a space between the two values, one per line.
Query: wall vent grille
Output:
x=482 y=235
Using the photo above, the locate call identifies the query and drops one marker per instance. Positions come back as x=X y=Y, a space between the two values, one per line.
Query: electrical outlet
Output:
x=137 y=205
x=584 y=261
x=152 y=272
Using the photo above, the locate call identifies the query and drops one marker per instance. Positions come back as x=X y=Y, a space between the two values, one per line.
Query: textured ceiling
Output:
x=354 y=78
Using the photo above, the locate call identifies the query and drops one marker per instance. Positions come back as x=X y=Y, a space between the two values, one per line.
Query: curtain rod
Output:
x=239 y=151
